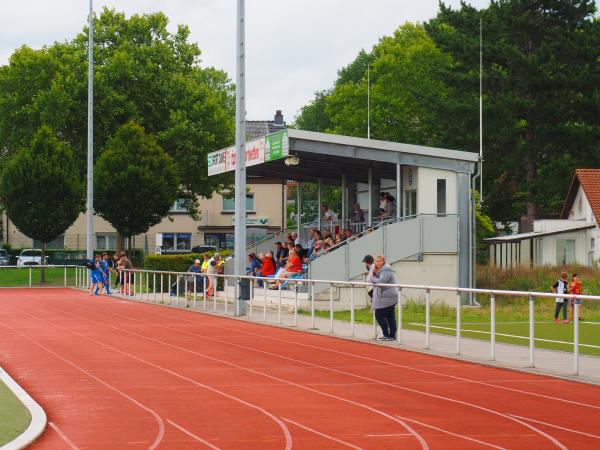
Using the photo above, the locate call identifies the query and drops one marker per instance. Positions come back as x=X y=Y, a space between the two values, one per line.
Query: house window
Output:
x=441 y=197
x=55 y=244
x=410 y=203
x=179 y=206
x=229 y=204
x=177 y=242
x=592 y=243
x=219 y=240
x=106 y=242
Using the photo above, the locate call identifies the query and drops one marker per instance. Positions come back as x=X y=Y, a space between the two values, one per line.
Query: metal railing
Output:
x=166 y=287
x=61 y=275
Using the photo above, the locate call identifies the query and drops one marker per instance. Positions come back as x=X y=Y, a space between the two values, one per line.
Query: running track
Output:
x=112 y=373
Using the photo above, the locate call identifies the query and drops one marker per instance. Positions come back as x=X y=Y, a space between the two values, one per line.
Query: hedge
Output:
x=176 y=263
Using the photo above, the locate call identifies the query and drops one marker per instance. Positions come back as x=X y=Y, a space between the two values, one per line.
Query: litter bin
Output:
x=244 y=289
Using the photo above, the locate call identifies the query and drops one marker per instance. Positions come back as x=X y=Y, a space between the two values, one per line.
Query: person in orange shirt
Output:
x=575 y=289
x=292 y=267
x=267 y=269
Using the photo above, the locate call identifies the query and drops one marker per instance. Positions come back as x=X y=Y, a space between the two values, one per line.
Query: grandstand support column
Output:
x=240 y=153
x=344 y=203
x=370 y=199
x=398 y=191
x=319 y=204
x=299 y=208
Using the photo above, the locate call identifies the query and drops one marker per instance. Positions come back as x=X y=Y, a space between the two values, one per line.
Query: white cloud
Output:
x=294 y=47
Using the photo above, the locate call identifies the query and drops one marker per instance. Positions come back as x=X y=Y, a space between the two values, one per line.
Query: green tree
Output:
x=541 y=96
x=41 y=188
x=144 y=73
x=135 y=181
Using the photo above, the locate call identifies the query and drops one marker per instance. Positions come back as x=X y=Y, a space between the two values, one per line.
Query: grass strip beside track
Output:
x=19 y=277
x=14 y=417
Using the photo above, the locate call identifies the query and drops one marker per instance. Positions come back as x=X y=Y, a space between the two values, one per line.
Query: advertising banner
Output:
x=265 y=149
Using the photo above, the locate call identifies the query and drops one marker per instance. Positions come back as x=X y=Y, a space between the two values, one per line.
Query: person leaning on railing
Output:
x=384 y=298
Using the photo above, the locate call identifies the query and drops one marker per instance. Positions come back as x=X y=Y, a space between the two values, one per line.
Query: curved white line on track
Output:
x=161 y=425
x=557 y=426
x=63 y=436
x=411 y=430
x=192 y=435
x=537 y=430
x=326 y=436
x=367 y=358
x=481 y=408
x=286 y=432
x=441 y=430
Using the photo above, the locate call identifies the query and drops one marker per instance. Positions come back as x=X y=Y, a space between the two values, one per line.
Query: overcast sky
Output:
x=294 y=47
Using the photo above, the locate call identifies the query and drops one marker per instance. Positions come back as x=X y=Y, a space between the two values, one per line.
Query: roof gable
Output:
x=589 y=180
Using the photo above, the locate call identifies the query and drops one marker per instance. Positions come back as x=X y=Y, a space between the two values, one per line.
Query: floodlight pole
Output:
x=90 y=138
x=240 y=157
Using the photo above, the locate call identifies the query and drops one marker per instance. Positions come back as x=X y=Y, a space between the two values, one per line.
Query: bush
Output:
x=176 y=263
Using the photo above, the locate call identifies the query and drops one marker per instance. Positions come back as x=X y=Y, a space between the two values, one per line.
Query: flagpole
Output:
x=90 y=138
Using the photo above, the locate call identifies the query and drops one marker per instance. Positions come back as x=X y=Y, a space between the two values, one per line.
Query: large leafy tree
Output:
x=42 y=189
x=135 y=181
x=542 y=98
x=144 y=73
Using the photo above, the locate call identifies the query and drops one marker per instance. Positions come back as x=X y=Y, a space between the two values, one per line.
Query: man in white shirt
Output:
x=328 y=215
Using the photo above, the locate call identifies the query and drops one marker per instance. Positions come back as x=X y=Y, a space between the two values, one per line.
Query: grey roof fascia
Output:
x=533 y=235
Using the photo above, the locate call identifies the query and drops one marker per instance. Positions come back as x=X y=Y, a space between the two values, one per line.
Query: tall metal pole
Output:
x=369 y=101
x=480 y=110
x=90 y=138
x=240 y=155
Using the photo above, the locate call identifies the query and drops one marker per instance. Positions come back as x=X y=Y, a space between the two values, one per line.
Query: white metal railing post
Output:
x=399 y=330
x=312 y=306
x=154 y=285
x=148 y=285
x=65 y=276
x=204 y=287
x=576 y=307
x=296 y=304
x=493 y=326
x=225 y=293
x=162 y=288
x=134 y=284
x=141 y=285
x=427 y=317
x=169 y=287
x=374 y=324
x=250 y=299
x=458 y=321
x=29 y=276
x=195 y=291
x=279 y=304
x=177 y=290
x=531 y=332
x=331 y=307
x=351 y=310
x=215 y=288
x=265 y=302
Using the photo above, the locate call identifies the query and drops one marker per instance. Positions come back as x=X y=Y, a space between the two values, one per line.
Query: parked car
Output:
x=4 y=257
x=30 y=257
x=204 y=249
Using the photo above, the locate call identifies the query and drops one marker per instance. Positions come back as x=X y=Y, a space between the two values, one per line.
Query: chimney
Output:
x=279 y=119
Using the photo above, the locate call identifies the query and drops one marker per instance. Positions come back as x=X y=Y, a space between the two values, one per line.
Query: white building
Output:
x=572 y=239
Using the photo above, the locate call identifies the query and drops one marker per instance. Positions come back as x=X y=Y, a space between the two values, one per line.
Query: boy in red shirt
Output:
x=575 y=289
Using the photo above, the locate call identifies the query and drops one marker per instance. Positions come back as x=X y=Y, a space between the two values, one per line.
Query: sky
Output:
x=293 y=47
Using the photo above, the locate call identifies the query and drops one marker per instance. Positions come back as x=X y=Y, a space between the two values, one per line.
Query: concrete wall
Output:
x=427 y=191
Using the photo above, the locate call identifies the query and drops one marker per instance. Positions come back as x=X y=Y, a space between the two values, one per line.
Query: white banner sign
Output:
x=253 y=221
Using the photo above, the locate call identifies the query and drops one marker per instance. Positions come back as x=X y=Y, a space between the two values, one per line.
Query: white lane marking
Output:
x=557 y=426
x=481 y=408
x=161 y=425
x=411 y=430
x=552 y=439
x=63 y=436
x=367 y=358
x=388 y=435
x=506 y=335
x=286 y=432
x=326 y=436
x=453 y=434
x=192 y=435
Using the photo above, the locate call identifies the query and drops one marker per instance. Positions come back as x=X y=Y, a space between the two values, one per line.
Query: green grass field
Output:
x=19 y=277
x=512 y=319
x=14 y=417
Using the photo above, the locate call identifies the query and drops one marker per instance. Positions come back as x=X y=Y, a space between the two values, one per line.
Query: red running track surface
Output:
x=112 y=373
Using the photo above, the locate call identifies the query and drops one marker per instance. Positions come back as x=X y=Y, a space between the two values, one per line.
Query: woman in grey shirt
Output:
x=384 y=298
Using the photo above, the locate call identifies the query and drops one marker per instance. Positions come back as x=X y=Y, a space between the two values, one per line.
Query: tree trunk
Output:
x=531 y=205
x=120 y=243
x=43 y=264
